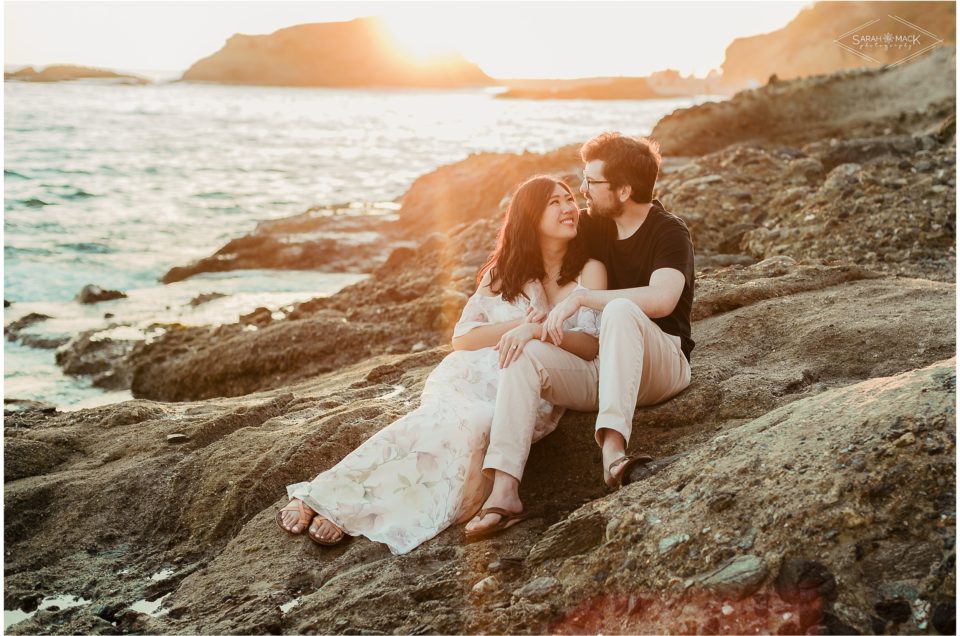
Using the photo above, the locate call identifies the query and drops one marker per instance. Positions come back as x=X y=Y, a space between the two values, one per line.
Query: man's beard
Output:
x=605 y=212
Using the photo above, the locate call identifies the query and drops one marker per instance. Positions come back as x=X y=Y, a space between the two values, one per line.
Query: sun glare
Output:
x=417 y=35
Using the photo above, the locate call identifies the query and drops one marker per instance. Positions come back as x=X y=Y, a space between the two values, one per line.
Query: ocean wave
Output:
x=78 y=193
x=214 y=195
x=33 y=202
x=14 y=174
x=12 y=251
x=87 y=247
x=61 y=171
x=232 y=209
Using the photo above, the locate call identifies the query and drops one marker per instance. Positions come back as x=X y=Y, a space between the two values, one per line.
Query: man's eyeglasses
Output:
x=592 y=182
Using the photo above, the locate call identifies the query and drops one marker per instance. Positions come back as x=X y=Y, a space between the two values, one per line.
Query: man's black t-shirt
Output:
x=662 y=240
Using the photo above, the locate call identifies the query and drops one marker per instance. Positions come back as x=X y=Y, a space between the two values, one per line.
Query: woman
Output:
x=422 y=473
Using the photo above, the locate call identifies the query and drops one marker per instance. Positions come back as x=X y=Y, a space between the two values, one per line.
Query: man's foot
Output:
x=295 y=516
x=612 y=461
x=324 y=531
x=619 y=471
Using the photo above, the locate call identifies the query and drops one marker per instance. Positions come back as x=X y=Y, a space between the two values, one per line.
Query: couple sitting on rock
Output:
x=559 y=289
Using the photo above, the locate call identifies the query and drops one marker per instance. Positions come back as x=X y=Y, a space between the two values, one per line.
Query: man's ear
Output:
x=624 y=192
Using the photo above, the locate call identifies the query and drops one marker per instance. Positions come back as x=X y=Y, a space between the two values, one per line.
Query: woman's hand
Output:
x=539 y=306
x=512 y=343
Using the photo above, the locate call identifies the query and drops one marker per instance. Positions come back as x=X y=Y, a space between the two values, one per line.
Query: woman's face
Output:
x=561 y=216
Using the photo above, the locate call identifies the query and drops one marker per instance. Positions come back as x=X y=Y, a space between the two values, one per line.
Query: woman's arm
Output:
x=486 y=336
x=581 y=344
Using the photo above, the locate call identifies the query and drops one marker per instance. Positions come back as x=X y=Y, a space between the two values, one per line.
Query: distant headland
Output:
x=358 y=53
x=70 y=72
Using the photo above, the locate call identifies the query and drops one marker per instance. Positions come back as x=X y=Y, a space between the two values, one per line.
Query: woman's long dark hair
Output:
x=517 y=258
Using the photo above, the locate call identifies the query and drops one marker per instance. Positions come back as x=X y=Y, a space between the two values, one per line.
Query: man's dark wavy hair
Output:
x=517 y=258
x=626 y=161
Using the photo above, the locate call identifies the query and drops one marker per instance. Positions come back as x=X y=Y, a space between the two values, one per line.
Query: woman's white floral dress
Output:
x=420 y=474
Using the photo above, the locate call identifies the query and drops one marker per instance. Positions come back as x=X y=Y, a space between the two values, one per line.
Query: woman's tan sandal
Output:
x=320 y=541
x=507 y=519
x=295 y=505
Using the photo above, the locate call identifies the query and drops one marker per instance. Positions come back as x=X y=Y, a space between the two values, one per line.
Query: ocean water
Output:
x=114 y=184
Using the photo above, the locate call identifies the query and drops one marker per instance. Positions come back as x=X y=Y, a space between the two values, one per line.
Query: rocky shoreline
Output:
x=807 y=477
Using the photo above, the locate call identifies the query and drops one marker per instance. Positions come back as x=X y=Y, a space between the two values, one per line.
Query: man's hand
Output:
x=553 y=325
x=535 y=315
x=539 y=306
x=512 y=343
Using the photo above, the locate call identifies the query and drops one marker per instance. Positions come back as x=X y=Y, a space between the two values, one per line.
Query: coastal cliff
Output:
x=806 y=45
x=358 y=53
x=805 y=481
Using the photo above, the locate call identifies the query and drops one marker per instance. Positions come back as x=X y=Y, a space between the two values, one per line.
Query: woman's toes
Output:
x=324 y=530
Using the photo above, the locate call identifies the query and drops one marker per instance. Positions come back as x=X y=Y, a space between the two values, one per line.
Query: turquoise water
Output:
x=113 y=184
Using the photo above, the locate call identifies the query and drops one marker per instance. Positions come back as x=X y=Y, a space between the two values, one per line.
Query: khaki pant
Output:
x=638 y=365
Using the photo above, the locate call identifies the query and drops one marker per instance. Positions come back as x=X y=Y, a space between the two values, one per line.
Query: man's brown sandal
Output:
x=629 y=462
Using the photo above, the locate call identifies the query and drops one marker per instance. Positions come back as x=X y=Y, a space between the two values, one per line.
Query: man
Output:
x=645 y=339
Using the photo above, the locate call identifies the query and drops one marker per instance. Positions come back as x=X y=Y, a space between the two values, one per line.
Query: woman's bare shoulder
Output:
x=594 y=275
x=484 y=289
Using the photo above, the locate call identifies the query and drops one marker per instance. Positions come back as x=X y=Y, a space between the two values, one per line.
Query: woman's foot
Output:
x=489 y=518
x=295 y=516
x=505 y=495
x=324 y=531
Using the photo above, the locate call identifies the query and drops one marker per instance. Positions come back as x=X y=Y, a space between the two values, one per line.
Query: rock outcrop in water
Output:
x=805 y=482
x=356 y=53
x=91 y=294
x=333 y=240
x=67 y=72
x=612 y=88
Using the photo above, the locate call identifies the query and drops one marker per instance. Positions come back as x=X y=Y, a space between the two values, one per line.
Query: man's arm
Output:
x=656 y=300
x=539 y=306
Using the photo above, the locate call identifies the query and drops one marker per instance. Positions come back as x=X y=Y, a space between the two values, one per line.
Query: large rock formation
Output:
x=806 y=46
x=829 y=465
x=356 y=53
x=904 y=99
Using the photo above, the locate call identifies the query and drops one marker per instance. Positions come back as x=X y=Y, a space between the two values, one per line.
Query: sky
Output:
x=507 y=40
